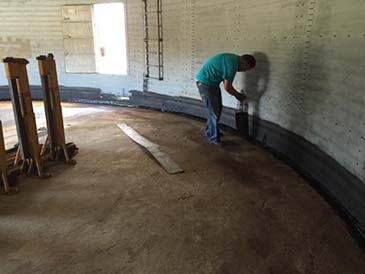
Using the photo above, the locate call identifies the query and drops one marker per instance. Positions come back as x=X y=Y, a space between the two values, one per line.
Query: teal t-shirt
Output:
x=219 y=68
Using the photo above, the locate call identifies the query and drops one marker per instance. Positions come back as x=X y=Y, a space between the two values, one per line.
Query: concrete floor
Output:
x=236 y=209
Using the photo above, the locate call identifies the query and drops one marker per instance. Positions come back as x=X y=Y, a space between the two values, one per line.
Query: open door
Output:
x=110 y=38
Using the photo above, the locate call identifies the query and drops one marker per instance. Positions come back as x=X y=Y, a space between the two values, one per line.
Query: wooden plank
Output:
x=135 y=136
x=156 y=151
x=165 y=160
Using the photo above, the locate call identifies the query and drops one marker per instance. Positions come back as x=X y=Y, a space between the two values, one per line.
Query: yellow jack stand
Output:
x=29 y=152
x=4 y=171
x=56 y=140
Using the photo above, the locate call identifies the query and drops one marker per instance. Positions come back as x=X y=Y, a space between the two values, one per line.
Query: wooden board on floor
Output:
x=161 y=157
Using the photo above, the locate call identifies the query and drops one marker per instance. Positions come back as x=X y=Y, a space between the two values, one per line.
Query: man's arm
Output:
x=231 y=90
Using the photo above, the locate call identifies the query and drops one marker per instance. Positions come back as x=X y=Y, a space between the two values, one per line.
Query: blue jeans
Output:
x=212 y=97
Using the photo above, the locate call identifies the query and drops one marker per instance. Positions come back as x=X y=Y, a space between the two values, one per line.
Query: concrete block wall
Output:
x=310 y=54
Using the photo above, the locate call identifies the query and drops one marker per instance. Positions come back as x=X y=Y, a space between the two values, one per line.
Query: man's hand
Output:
x=231 y=90
x=241 y=97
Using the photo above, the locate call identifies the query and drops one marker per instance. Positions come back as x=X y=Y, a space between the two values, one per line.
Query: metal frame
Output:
x=55 y=140
x=4 y=168
x=29 y=148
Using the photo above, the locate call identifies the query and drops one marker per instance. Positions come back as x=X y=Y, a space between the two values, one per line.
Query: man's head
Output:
x=247 y=62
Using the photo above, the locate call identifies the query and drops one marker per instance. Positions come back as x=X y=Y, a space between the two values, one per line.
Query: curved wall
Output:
x=310 y=75
x=309 y=78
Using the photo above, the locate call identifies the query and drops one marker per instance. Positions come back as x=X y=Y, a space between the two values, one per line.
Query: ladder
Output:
x=153 y=41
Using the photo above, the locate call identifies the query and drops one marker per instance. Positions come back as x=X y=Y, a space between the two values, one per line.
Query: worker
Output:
x=220 y=68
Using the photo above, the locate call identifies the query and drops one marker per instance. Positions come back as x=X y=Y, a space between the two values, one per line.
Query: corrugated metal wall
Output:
x=311 y=59
x=29 y=28
x=311 y=64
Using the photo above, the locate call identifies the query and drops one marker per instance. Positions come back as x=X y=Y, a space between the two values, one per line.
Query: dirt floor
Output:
x=236 y=209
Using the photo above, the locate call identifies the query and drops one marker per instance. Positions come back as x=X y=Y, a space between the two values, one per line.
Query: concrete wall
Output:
x=309 y=78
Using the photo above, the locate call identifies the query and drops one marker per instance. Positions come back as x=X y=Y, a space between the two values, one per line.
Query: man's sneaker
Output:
x=216 y=143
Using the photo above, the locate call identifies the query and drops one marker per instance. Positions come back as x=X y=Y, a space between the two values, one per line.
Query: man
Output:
x=221 y=67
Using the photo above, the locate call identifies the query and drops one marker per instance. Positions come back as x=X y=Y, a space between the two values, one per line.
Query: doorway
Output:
x=110 y=38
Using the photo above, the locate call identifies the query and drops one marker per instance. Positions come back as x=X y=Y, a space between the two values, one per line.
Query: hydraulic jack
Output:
x=29 y=148
x=5 y=172
x=55 y=141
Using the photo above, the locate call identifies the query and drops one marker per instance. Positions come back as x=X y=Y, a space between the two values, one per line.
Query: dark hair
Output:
x=249 y=59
